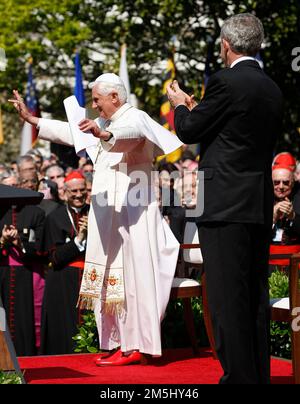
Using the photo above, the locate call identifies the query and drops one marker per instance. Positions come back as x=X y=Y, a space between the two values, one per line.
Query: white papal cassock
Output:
x=126 y=232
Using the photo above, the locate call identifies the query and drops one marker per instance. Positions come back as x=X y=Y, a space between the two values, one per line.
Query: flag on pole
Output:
x=207 y=69
x=207 y=73
x=166 y=111
x=1 y=128
x=259 y=60
x=123 y=73
x=78 y=90
x=29 y=132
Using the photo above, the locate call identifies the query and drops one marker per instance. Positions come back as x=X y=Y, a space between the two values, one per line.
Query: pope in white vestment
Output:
x=131 y=252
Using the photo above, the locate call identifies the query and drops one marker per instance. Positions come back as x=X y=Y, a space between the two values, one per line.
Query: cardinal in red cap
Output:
x=284 y=160
x=65 y=241
x=285 y=237
x=74 y=175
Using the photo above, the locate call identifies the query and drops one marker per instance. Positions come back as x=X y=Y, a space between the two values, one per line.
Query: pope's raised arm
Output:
x=120 y=127
x=23 y=111
x=52 y=130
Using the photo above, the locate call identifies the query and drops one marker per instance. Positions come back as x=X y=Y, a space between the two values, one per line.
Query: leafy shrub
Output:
x=87 y=338
x=10 y=378
x=280 y=332
x=279 y=284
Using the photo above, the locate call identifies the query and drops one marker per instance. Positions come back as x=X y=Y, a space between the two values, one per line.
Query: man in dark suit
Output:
x=236 y=123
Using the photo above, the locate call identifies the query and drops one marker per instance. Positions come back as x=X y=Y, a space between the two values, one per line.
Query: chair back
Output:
x=191 y=255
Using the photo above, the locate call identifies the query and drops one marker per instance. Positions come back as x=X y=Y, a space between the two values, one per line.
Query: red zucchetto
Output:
x=284 y=160
x=74 y=175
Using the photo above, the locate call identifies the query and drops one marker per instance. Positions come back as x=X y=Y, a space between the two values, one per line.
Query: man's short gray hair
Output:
x=244 y=33
x=107 y=88
x=54 y=166
x=8 y=174
x=25 y=158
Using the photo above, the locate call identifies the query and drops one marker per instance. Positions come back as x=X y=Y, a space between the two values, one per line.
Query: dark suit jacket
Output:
x=236 y=123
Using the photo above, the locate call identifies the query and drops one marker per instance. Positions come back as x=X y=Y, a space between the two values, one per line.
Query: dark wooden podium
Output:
x=8 y=359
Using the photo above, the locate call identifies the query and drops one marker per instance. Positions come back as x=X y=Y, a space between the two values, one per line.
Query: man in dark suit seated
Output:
x=236 y=123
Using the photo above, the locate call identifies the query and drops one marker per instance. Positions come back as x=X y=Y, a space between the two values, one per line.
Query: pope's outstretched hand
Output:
x=23 y=111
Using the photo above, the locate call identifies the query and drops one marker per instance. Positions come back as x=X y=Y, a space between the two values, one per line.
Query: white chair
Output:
x=192 y=255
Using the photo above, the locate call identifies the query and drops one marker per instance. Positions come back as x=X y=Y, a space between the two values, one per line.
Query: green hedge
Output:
x=10 y=378
x=280 y=332
x=87 y=337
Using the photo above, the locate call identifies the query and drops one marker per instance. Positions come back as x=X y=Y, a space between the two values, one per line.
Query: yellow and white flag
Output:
x=167 y=113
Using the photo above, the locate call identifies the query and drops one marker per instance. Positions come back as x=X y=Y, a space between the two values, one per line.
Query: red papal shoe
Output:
x=134 y=358
x=109 y=355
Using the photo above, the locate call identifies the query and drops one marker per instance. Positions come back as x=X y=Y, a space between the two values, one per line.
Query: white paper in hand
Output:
x=75 y=114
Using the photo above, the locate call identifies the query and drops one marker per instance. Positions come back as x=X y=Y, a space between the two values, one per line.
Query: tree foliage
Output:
x=51 y=32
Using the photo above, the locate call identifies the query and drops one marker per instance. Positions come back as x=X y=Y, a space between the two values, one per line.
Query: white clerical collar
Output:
x=125 y=107
x=241 y=59
x=77 y=210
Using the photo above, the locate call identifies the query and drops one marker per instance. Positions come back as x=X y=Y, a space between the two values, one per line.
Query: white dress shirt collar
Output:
x=241 y=59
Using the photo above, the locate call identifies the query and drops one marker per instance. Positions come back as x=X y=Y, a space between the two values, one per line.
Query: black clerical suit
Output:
x=16 y=280
x=236 y=123
x=60 y=316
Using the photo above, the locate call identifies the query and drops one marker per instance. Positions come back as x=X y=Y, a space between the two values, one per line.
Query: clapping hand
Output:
x=177 y=96
x=83 y=225
x=283 y=209
x=10 y=235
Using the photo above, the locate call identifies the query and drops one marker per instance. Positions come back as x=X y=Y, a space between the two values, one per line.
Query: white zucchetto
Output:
x=110 y=78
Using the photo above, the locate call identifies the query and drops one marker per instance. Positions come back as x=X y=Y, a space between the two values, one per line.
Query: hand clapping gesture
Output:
x=82 y=233
x=177 y=96
x=10 y=235
x=283 y=209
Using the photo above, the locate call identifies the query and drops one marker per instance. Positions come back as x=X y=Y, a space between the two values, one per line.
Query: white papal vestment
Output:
x=126 y=229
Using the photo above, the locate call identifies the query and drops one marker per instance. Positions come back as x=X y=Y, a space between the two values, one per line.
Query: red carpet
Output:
x=176 y=366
